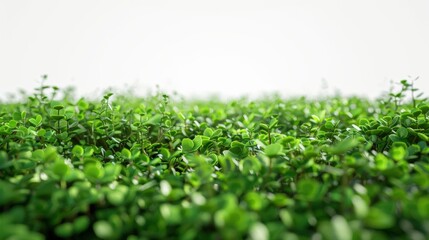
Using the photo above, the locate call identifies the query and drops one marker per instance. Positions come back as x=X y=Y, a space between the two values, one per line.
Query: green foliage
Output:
x=127 y=167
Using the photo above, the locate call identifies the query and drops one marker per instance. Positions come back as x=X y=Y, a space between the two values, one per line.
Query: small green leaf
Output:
x=264 y=126
x=379 y=219
x=402 y=132
x=208 y=132
x=308 y=189
x=165 y=187
x=198 y=141
x=250 y=164
x=255 y=201
x=57 y=117
x=171 y=213
x=258 y=231
x=4 y=160
x=93 y=171
x=88 y=151
x=273 y=123
x=117 y=196
x=58 y=107
x=80 y=224
x=64 y=230
x=112 y=171
x=398 y=153
x=329 y=125
x=12 y=124
x=165 y=153
x=344 y=146
x=23 y=114
x=36 y=121
x=381 y=161
x=187 y=145
x=341 y=228
x=107 y=95
x=423 y=137
x=274 y=150
x=60 y=168
x=154 y=120
x=126 y=154
x=424 y=108
x=423 y=207
x=315 y=119
x=360 y=206
x=22 y=164
x=82 y=104
x=78 y=151
x=286 y=217
x=50 y=154
x=103 y=229
x=7 y=191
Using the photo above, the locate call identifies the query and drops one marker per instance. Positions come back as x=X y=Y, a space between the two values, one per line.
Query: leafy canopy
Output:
x=161 y=168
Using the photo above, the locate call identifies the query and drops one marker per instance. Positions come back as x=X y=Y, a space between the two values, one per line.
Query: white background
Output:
x=225 y=47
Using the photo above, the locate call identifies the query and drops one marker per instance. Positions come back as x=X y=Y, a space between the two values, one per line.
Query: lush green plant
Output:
x=159 y=168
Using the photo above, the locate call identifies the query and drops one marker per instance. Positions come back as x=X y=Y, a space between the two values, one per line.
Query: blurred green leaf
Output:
x=273 y=150
x=64 y=230
x=103 y=229
x=60 y=169
x=379 y=219
x=343 y=146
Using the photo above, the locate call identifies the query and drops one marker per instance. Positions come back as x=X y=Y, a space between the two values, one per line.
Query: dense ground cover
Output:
x=160 y=168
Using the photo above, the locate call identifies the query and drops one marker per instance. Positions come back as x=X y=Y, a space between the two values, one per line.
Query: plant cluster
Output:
x=152 y=168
